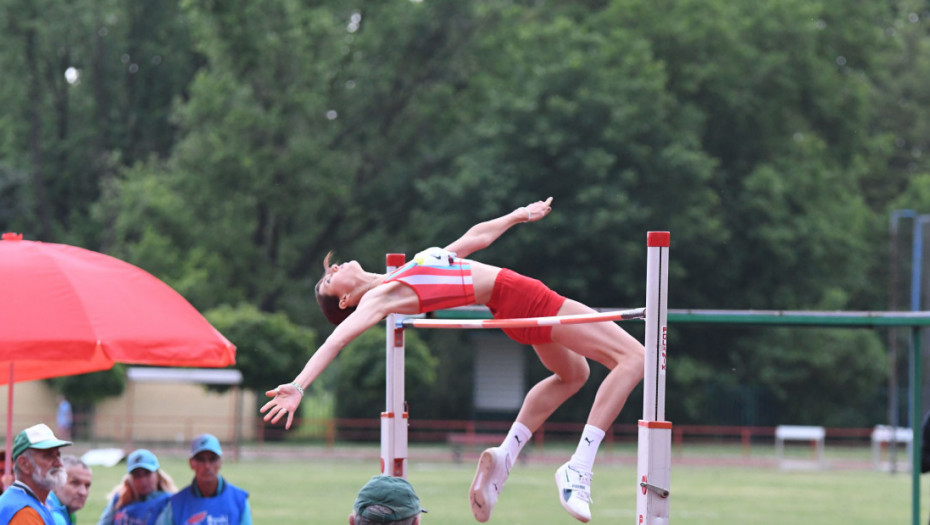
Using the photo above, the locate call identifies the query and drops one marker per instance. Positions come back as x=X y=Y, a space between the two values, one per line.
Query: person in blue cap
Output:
x=385 y=499
x=209 y=498
x=141 y=495
x=38 y=470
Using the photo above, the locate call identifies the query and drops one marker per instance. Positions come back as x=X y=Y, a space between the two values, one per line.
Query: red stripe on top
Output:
x=394 y=259
x=657 y=239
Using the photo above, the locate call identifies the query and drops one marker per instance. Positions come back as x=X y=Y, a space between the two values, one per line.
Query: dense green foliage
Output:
x=359 y=376
x=226 y=146
x=275 y=344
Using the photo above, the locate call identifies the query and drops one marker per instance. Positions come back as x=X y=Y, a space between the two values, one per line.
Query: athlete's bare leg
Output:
x=570 y=371
x=611 y=346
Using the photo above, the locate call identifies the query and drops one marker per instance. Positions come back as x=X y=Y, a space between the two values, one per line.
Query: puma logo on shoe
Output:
x=490 y=477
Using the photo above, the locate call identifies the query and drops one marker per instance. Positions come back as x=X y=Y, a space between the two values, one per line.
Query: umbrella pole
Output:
x=9 y=425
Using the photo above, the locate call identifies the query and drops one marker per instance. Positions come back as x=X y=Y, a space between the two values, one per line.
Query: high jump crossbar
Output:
x=655 y=441
x=526 y=322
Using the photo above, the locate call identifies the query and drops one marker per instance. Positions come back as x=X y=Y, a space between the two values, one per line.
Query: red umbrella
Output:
x=66 y=311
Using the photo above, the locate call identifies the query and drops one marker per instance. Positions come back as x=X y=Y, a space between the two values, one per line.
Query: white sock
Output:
x=516 y=439
x=584 y=455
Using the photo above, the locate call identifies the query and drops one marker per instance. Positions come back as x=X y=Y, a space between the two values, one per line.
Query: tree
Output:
x=98 y=79
x=770 y=138
x=270 y=348
x=359 y=376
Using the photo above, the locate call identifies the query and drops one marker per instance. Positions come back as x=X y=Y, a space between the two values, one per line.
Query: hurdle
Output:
x=654 y=438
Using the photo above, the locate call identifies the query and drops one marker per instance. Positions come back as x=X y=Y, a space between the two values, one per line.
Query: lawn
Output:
x=314 y=489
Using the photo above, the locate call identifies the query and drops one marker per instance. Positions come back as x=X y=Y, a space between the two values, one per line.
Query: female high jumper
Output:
x=355 y=300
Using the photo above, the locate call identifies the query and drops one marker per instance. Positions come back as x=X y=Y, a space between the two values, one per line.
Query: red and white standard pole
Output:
x=655 y=434
x=394 y=418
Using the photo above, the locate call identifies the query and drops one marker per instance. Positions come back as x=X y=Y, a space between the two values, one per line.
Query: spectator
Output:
x=69 y=498
x=38 y=470
x=209 y=496
x=64 y=418
x=142 y=494
x=5 y=479
x=385 y=499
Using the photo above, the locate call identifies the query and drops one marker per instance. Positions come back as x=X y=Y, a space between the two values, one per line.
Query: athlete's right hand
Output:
x=286 y=400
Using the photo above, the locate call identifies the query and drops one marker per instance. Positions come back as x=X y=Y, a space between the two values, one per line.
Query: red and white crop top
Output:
x=439 y=278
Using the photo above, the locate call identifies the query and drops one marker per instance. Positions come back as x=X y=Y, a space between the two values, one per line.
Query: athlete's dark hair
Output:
x=329 y=304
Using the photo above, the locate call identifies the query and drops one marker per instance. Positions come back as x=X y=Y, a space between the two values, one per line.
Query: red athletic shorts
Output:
x=515 y=296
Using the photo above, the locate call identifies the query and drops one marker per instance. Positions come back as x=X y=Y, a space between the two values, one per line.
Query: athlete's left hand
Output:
x=537 y=210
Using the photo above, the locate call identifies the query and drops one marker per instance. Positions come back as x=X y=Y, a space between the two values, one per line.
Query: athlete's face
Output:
x=339 y=279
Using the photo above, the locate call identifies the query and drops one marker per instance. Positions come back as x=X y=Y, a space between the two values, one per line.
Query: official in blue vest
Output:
x=38 y=470
x=209 y=498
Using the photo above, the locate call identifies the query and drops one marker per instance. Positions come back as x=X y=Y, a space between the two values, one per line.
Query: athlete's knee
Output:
x=631 y=354
x=576 y=375
x=635 y=365
x=630 y=359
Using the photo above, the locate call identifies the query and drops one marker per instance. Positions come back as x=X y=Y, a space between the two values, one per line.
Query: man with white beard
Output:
x=38 y=470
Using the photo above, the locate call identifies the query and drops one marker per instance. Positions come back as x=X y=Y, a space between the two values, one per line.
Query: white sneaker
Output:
x=493 y=469
x=574 y=491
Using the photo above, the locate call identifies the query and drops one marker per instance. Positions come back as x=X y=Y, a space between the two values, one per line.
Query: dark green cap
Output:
x=385 y=499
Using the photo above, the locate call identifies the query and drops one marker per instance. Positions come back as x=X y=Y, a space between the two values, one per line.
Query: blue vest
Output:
x=226 y=508
x=14 y=499
x=60 y=513
x=142 y=512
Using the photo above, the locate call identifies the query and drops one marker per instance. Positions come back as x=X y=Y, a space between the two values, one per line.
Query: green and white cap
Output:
x=386 y=499
x=37 y=436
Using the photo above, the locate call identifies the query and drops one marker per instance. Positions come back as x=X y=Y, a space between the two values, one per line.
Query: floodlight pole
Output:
x=916 y=422
x=916 y=412
x=894 y=417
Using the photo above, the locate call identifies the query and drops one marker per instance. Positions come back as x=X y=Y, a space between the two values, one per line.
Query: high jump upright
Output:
x=655 y=434
x=394 y=419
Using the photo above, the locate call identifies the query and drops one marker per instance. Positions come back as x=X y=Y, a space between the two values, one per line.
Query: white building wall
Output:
x=500 y=373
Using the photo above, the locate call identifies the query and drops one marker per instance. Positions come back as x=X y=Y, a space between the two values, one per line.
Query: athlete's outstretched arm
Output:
x=371 y=309
x=484 y=233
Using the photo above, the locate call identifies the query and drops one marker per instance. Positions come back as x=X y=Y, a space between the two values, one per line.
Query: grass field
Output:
x=301 y=488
